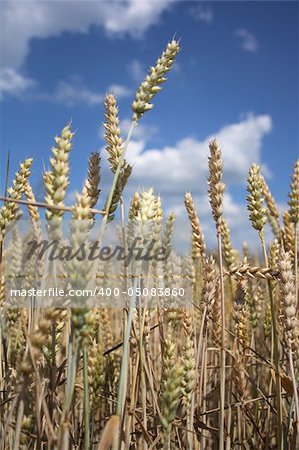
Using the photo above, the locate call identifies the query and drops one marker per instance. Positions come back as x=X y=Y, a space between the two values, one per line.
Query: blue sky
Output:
x=236 y=78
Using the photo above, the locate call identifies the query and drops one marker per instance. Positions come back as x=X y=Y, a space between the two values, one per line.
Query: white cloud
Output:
x=172 y=171
x=119 y=91
x=184 y=166
x=20 y=22
x=136 y=70
x=142 y=133
x=248 y=40
x=13 y=82
x=69 y=92
x=72 y=92
x=203 y=12
x=135 y=16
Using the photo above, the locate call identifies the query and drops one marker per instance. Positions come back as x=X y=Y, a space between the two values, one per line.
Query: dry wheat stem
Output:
x=276 y=350
x=222 y=350
x=44 y=205
x=216 y=191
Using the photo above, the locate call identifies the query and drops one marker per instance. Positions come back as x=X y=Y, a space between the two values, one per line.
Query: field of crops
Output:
x=218 y=369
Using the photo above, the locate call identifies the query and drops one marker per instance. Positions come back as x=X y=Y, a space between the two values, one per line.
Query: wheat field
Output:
x=218 y=370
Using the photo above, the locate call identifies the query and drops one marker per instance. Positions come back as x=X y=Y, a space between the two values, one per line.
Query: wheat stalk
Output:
x=197 y=234
x=216 y=191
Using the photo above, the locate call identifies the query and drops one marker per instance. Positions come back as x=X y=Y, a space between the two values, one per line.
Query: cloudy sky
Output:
x=236 y=78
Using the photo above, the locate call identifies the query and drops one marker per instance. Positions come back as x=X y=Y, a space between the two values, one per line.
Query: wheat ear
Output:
x=255 y=198
x=56 y=180
x=93 y=179
x=228 y=251
x=115 y=148
x=8 y=211
x=197 y=234
x=294 y=195
x=290 y=321
x=294 y=217
x=152 y=83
